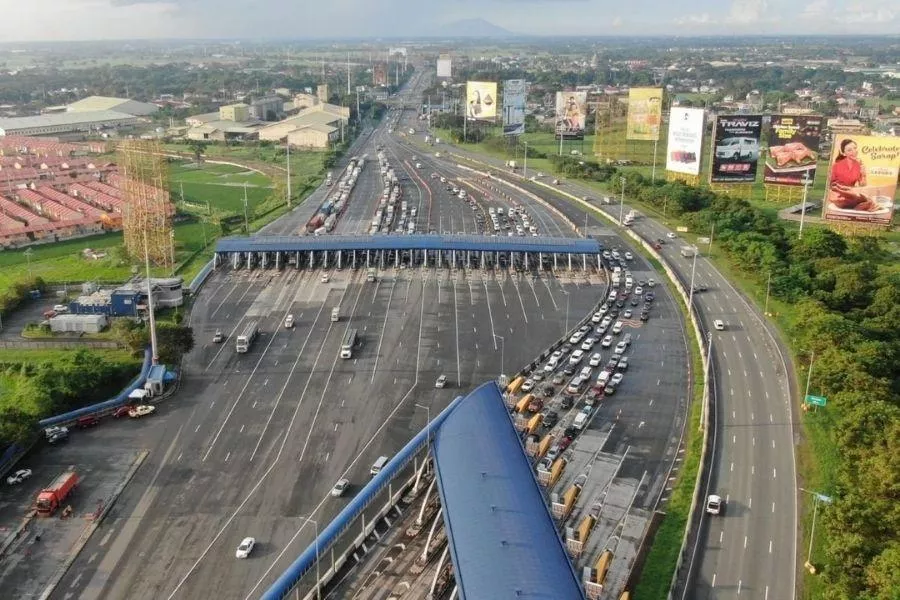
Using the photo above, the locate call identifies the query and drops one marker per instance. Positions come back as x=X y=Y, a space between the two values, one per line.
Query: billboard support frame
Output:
x=733 y=190
x=780 y=193
x=692 y=180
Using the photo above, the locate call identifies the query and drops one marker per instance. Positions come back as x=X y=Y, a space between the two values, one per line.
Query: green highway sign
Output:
x=815 y=400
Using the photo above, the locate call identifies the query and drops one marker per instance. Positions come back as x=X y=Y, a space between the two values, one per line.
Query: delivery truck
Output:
x=51 y=497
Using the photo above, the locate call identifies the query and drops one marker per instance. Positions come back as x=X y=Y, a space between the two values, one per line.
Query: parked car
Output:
x=441 y=382
x=18 y=477
x=87 y=421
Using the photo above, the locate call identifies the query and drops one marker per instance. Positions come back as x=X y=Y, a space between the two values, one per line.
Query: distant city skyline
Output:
x=64 y=20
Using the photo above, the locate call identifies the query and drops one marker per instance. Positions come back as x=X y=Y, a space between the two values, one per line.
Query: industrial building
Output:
x=315 y=127
x=268 y=108
x=129 y=300
x=239 y=112
x=122 y=105
x=67 y=122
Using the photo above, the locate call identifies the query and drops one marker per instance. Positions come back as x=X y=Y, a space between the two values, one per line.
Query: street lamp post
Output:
x=502 y=351
x=622 y=201
x=525 y=168
x=28 y=252
x=693 y=271
x=768 y=287
x=567 y=311
x=806 y=182
x=427 y=419
x=817 y=497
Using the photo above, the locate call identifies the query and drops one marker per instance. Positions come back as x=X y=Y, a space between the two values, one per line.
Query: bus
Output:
x=245 y=339
x=350 y=341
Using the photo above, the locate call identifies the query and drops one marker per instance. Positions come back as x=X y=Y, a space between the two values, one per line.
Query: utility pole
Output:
x=246 y=218
x=288 y=144
x=806 y=183
x=768 y=287
x=622 y=201
x=154 y=349
x=348 y=73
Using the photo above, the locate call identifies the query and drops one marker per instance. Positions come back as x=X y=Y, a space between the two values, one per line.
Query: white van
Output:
x=379 y=465
x=617 y=328
x=603 y=378
x=580 y=421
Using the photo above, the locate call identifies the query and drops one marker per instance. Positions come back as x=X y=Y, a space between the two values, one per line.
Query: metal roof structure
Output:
x=274 y=243
x=503 y=541
x=12 y=125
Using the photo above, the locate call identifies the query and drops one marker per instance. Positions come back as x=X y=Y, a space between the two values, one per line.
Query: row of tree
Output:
x=846 y=298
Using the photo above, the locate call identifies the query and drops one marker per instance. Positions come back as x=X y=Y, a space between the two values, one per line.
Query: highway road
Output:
x=252 y=443
x=750 y=552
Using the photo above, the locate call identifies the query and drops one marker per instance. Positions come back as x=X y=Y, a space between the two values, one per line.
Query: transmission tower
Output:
x=147 y=212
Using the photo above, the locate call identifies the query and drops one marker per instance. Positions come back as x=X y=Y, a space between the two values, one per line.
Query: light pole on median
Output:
x=691 y=293
x=502 y=350
x=525 y=167
x=622 y=201
x=806 y=182
x=812 y=532
x=768 y=287
x=427 y=420
x=566 y=330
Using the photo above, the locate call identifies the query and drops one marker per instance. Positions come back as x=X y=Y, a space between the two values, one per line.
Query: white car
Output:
x=607 y=341
x=616 y=379
x=576 y=337
x=598 y=316
x=639 y=291
x=576 y=357
x=586 y=373
x=551 y=365
x=621 y=347
x=651 y=283
x=715 y=505
x=340 y=487
x=19 y=476
x=719 y=325
x=588 y=343
x=670 y=235
x=558 y=354
x=326 y=278
x=528 y=385
x=626 y=314
x=629 y=256
x=141 y=411
x=289 y=322
x=245 y=548
x=441 y=382
x=595 y=360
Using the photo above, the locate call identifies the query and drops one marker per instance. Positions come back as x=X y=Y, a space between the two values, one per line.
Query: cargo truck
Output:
x=50 y=498
x=245 y=339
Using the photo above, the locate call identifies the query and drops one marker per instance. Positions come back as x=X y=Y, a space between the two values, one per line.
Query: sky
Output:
x=61 y=20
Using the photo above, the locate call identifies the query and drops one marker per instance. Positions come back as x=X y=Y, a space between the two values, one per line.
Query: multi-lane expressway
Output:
x=252 y=443
x=751 y=550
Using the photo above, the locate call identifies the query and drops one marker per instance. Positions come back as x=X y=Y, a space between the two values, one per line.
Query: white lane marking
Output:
x=721 y=536
x=773 y=507
x=770 y=552
x=456 y=326
x=750 y=502
x=381 y=336
x=732 y=467
x=774 y=474
x=713 y=582
x=241 y=431
x=227 y=456
x=745 y=542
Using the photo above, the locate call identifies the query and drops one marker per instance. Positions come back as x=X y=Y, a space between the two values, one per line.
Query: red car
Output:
x=87 y=421
x=123 y=410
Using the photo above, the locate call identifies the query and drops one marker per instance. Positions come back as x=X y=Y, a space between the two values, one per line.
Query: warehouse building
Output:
x=315 y=136
x=78 y=323
x=314 y=127
x=122 y=105
x=269 y=108
x=67 y=122
x=238 y=113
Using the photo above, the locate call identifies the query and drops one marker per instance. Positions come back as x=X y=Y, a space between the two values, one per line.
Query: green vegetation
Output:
x=37 y=383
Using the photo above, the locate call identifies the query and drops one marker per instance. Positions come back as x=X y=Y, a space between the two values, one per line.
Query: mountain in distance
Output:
x=475 y=28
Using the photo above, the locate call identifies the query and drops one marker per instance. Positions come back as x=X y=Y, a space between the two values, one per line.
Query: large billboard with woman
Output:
x=571 y=114
x=481 y=100
x=862 y=181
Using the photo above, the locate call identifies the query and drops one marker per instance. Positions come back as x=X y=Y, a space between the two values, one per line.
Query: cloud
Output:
x=745 y=12
x=701 y=19
x=815 y=9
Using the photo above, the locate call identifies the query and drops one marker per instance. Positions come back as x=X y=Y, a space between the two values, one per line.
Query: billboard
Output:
x=862 y=180
x=444 y=66
x=514 y=107
x=735 y=148
x=793 y=149
x=685 y=142
x=481 y=100
x=571 y=114
x=644 y=114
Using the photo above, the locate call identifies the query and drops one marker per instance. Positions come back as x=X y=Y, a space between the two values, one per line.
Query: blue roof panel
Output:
x=501 y=535
x=295 y=243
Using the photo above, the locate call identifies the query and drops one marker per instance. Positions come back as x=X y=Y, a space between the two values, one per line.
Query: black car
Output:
x=645 y=316
x=648 y=297
x=620 y=303
x=699 y=288
x=609 y=390
x=549 y=391
x=567 y=401
x=566 y=348
x=570 y=433
x=570 y=369
x=611 y=364
x=614 y=313
x=660 y=241
x=551 y=418
x=635 y=301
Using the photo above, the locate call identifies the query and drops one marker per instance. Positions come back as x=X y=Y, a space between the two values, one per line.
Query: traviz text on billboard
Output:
x=735 y=149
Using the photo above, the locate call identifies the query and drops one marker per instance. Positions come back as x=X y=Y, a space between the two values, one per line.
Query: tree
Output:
x=198 y=147
x=883 y=573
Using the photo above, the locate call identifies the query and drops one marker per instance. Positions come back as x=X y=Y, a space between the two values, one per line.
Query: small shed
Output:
x=156 y=379
x=78 y=323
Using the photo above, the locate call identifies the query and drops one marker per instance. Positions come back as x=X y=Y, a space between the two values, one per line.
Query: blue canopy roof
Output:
x=277 y=243
x=501 y=535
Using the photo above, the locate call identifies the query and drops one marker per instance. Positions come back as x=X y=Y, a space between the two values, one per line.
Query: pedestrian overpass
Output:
x=423 y=250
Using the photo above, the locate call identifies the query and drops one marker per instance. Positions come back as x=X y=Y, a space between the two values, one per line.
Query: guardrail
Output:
x=201 y=277
x=107 y=407
x=285 y=584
